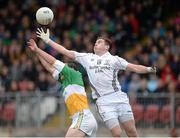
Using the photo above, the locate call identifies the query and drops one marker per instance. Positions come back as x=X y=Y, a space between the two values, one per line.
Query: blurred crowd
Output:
x=142 y=32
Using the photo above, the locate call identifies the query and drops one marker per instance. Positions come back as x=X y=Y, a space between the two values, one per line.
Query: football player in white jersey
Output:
x=102 y=69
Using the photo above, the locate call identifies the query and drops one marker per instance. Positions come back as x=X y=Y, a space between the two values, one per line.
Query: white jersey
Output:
x=102 y=72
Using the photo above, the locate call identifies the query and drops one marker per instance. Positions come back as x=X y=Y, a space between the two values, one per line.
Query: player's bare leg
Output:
x=130 y=128
x=116 y=131
x=75 y=133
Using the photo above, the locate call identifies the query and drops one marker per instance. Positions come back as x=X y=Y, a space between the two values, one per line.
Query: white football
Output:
x=44 y=15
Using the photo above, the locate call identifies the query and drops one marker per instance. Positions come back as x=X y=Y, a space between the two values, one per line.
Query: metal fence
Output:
x=157 y=110
x=42 y=114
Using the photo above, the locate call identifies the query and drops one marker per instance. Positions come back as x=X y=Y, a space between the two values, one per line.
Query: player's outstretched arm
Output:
x=140 y=68
x=45 y=37
x=46 y=65
x=32 y=45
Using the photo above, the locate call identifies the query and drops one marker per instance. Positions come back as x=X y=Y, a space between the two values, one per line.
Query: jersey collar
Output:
x=105 y=54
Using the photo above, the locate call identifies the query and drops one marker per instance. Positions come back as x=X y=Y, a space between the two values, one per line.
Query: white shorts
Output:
x=119 y=111
x=85 y=121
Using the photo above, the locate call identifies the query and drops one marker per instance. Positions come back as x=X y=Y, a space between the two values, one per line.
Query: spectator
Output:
x=156 y=41
x=152 y=84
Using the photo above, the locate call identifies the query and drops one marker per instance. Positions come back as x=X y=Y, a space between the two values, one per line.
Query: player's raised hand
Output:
x=41 y=34
x=32 y=45
x=152 y=69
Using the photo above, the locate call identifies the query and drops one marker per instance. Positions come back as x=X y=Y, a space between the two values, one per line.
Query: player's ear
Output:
x=107 y=47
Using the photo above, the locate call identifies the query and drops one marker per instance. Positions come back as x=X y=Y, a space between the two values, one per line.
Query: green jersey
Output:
x=73 y=87
x=69 y=76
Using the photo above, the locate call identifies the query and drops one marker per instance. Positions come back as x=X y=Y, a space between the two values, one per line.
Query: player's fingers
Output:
x=154 y=68
x=39 y=36
x=32 y=40
x=38 y=33
x=48 y=30
x=42 y=30
x=29 y=42
x=29 y=47
x=38 y=30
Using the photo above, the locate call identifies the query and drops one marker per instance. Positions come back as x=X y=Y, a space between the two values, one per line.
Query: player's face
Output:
x=100 y=46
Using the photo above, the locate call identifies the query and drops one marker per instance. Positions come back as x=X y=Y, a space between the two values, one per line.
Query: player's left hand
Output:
x=44 y=36
x=152 y=69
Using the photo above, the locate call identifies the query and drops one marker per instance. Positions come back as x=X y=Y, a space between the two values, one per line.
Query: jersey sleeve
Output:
x=121 y=63
x=81 y=58
x=55 y=74
x=58 y=65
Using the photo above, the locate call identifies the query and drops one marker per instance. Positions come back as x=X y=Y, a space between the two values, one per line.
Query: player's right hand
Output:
x=32 y=45
x=44 y=36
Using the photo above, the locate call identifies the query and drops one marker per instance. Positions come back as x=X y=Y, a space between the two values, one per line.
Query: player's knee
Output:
x=116 y=131
x=75 y=133
x=131 y=132
x=113 y=125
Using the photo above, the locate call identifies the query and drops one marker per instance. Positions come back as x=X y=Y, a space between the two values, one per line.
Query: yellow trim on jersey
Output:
x=79 y=121
x=76 y=103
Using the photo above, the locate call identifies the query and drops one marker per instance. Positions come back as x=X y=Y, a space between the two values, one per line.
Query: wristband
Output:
x=47 y=41
x=149 y=69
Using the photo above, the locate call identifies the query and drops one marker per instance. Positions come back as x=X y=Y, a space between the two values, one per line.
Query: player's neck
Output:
x=100 y=53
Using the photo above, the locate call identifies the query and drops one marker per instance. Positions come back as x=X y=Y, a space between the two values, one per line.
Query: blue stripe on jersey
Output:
x=114 y=84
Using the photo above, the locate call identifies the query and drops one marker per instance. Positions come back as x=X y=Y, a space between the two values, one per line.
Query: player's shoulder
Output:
x=118 y=57
x=92 y=54
x=78 y=54
x=114 y=57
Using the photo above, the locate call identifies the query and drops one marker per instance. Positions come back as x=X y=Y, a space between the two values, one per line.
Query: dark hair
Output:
x=72 y=65
x=75 y=65
x=106 y=40
x=78 y=67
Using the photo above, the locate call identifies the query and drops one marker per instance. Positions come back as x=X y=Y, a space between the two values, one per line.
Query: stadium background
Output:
x=144 y=32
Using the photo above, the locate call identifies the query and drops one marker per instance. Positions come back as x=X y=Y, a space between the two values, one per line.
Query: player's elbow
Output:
x=70 y=54
x=135 y=68
x=71 y=57
x=139 y=70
